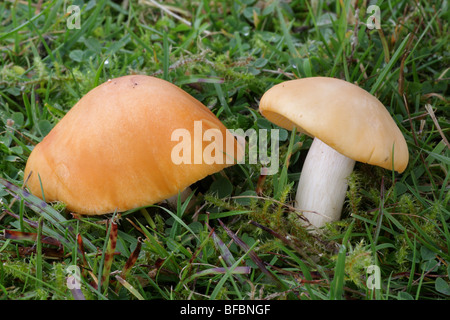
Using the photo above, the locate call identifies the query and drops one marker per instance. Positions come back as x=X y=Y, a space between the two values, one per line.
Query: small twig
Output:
x=422 y=158
x=436 y=123
x=410 y=121
x=420 y=116
x=172 y=14
x=279 y=71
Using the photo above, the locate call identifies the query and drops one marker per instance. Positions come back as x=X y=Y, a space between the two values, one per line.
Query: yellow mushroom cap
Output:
x=113 y=150
x=344 y=116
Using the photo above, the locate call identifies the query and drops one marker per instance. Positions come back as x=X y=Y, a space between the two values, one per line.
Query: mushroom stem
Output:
x=323 y=184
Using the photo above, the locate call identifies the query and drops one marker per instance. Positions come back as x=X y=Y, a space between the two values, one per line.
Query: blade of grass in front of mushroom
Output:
x=83 y=256
x=33 y=237
x=281 y=185
x=423 y=237
x=47 y=231
x=48 y=212
x=99 y=71
x=286 y=34
x=86 y=268
x=307 y=278
x=129 y=287
x=231 y=271
x=253 y=256
x=29 y=236
x=33 y=202
x=383 y=75
x=222 y=99
x=177 y=219
x=337 y=284
x=21 y=213
x=131 y=261
x=197 y=254
x=39 y=252
x=154 y=245
x=108 y=254
x=224 y=251
x=222 y=270
x=48 y=253
x=190 y=79
x=218 y=287
x=380 y=213
x=238 y=271
x=181 y=208
x=291 y=244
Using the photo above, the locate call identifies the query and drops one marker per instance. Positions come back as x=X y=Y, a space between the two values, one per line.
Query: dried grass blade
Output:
x=132 y=259
x=251 y=253
x=109 y=253
x=430 y=111
x=29 y=236
x=47 y=252
x=224 y=251
x=46 y=230
x=219 y=270
x=129 y=287
x=36 y=204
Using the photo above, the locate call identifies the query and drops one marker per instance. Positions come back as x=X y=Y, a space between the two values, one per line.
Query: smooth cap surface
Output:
x=113 y=149
x=341 y=114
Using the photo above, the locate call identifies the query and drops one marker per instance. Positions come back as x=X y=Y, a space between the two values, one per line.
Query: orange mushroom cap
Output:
x=113 y=150
x=344 y=116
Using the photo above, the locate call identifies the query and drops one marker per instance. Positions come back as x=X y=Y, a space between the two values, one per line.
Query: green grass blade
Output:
x=383 y=76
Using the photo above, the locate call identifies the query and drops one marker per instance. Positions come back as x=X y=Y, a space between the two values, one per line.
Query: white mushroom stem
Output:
x=323 y=184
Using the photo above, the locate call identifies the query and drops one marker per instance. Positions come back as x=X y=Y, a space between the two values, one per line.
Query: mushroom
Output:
x=113 y=151
x=348 y=124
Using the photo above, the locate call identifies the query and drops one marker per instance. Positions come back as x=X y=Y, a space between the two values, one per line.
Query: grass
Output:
x=244 y=243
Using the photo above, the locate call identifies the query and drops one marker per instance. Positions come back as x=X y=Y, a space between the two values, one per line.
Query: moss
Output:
x=354 y=196
x=359 y=258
